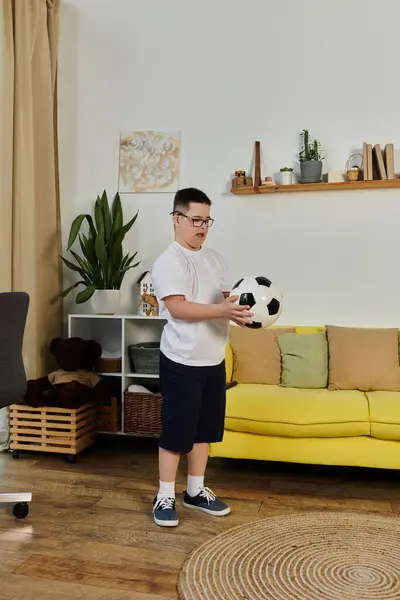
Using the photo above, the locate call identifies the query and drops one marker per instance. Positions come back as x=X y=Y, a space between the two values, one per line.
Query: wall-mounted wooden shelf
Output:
x=318 y=187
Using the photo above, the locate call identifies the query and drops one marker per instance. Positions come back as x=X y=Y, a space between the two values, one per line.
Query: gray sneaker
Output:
x=164 y=512
x=207 y=502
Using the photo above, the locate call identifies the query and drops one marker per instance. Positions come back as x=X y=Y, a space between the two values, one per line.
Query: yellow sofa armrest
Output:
x=229 y=362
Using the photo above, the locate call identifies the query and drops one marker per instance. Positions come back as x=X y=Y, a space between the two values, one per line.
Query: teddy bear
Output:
x=74 y=383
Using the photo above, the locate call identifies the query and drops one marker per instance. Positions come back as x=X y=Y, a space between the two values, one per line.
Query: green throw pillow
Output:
x=304 y=360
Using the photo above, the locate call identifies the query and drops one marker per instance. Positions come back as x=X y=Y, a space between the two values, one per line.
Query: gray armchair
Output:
x=13 y=314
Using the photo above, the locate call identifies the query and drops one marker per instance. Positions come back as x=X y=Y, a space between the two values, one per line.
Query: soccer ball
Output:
x=262 y=296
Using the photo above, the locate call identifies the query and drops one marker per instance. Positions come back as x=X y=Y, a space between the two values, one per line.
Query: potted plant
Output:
x=310 y=158
x=286 y=176
x=102 y=264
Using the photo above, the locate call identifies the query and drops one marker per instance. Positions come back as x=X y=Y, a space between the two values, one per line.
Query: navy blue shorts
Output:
x=193 y=405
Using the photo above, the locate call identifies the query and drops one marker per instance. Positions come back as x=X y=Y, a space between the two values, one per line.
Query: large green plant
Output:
x=311 y=149
x=102 y=264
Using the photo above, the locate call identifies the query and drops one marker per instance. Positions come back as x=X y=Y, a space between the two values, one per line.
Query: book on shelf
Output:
x=388 y=156
x=379 y=163
x=370 y=163
x=365 y=162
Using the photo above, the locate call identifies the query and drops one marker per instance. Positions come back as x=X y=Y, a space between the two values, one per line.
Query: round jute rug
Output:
x=313 y=556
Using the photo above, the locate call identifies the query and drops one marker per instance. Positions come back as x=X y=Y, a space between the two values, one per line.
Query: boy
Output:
x=192 y=286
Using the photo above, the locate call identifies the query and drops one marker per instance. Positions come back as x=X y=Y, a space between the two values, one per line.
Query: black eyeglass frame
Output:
x=207 y=222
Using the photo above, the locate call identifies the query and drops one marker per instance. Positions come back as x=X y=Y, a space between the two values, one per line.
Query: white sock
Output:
x=167 y=489
x=194 y=485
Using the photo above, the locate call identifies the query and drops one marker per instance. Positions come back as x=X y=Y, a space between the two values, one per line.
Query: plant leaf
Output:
x=65 y=293
x=128 y=226
x=125 y=269
x=107 y=218
x=101 y=255
x=88 y=250
x=92 y=228
x=87 y=247
x=75 y=227
x=85 y=295
x=98 y=217
x=81 y=262
x=117 y=217
x=73 y=267
x=85 y=266
x=121 y=274
x=116 y=256
x=127 y=260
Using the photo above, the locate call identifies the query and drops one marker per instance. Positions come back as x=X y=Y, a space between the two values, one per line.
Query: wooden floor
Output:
x=90 y=534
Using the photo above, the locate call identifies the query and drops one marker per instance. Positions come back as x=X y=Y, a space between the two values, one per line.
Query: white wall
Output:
x=228 y=72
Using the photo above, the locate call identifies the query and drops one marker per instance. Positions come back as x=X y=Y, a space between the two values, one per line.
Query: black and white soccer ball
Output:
x=262 y=296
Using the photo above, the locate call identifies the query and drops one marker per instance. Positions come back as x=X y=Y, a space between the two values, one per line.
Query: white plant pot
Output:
x=106 y=302
x=286 y=177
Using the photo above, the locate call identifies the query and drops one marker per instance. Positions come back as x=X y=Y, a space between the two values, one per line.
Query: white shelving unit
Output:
x=115 y=333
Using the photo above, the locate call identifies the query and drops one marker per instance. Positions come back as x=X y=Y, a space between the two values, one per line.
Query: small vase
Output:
x=286 y=177
x=106 y=302
x=311 y=170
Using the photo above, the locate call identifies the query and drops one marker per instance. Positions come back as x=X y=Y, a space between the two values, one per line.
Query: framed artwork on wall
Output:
x=149 y=162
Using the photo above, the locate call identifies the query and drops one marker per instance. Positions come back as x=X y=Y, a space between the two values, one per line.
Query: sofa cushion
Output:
x=257 y=358
x=384 y=409
x=293 y=412
x=304 y=360
x=310 y=329
x=363 y=359
x=228 y=362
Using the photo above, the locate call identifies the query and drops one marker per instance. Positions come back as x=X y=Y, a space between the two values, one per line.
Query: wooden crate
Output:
x=108 y=416
x=58 y=430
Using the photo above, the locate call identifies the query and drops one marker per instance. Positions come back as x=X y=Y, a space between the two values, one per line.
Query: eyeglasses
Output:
x=195 y=222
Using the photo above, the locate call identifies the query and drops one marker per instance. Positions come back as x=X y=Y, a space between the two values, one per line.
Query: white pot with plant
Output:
x=310 y=158
x=286 y=176
x=102 y=264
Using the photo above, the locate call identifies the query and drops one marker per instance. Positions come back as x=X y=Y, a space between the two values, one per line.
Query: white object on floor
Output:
x=16 y=497
x=138 y=389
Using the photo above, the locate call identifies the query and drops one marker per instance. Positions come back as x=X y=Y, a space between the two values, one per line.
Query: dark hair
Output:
x=184 y=197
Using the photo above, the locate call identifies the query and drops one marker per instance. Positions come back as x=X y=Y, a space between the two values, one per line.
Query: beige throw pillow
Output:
x=363 y=359
x=256 y=354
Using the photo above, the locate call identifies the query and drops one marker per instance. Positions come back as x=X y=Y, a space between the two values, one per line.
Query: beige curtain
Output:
x=30 y=240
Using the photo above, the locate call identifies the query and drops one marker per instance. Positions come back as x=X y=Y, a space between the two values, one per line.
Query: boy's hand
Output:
x=235 y=312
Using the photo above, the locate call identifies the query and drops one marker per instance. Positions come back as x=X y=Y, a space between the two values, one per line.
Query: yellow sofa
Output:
x=318 y=426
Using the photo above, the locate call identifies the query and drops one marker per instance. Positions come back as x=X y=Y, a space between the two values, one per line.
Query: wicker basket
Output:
x=353 y=174
x=109 y=365
x=145 y=357
x=143 y=414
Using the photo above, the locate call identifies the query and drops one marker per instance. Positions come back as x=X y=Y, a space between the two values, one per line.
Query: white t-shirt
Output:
x=201 y=276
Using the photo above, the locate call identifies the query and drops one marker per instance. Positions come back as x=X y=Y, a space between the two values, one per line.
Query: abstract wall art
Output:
x=149 y=162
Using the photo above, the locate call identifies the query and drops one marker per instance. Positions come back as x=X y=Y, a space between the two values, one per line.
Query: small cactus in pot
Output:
x=311 y=158
x=286 y=176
